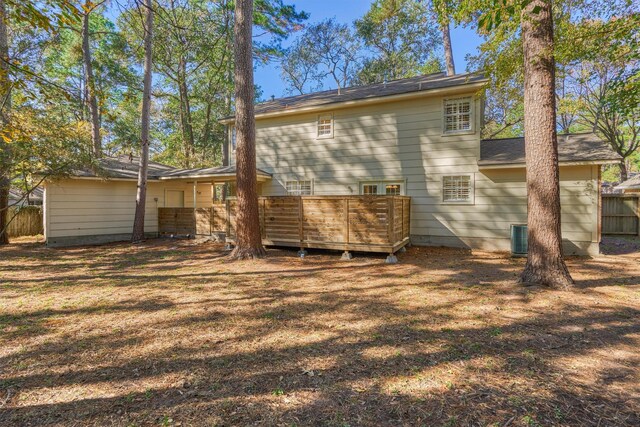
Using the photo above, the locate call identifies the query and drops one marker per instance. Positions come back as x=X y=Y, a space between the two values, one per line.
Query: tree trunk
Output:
x=5 y=112
x=185 y=115
x=624 y=173
x=545 y=264
x=448 y=51
x=248 y=238
x=90 y=85
x=141 y=196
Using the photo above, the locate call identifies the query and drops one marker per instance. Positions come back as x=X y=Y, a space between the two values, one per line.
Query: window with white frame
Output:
x=457 y=189
x=458 y=115
x=388 y=188
x=299 y=188
x=369 y=189
x=325 y=126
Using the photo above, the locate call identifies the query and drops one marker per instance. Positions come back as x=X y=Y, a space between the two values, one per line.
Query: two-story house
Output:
x=418 y=137
x=421 y=137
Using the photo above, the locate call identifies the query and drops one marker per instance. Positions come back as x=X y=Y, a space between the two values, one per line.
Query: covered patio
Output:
x=216 y=177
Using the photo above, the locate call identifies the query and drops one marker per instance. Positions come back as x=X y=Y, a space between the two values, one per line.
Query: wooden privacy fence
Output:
x=25 y=221
x=187 y=221
x=621 y=214
x=359 y=223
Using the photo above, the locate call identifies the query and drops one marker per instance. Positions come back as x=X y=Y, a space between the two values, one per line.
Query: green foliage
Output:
x=326 y=50
x=405 y=41
x=42 y=141
x=116 y=78
x=48 y=15
x=193 y=60
x=586 y=32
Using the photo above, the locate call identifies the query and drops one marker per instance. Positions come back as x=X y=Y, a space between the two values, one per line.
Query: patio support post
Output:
x=195 y=217
x=195 y=195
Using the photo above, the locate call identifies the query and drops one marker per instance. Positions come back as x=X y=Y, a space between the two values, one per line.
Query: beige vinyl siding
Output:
x=404 y=141
x=89 y=207
x=384 y=141
x=204 y=194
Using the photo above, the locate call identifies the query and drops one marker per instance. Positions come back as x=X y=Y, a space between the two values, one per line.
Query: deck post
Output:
x=300 y=217
x=391 y=259
x=346 y=224
x=390 y=224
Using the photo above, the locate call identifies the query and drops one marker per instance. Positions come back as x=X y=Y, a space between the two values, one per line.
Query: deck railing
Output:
x=359 y=223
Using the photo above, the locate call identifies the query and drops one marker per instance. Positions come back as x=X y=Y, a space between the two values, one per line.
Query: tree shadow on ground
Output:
x=443 y=339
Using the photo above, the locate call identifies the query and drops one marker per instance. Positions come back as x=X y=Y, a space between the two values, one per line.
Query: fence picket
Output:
x=25 y=221
x=620 y=214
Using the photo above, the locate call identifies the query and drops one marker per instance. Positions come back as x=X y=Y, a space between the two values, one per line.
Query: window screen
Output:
x=299 y=188
x=325 y=126
x=457 y=115
x=457 y=188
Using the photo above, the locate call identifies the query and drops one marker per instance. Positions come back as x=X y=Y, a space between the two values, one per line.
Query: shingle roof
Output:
x=36 y=194
x=123 y=167
x=354 y=93
x=126 y=167
x=630 y=184
x=579 y=147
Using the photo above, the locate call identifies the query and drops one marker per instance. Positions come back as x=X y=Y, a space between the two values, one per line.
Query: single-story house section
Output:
x=632 y=185
x=417 y=137
x=93 y=207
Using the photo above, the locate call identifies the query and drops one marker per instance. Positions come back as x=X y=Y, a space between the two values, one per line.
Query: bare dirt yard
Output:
x=170 y=333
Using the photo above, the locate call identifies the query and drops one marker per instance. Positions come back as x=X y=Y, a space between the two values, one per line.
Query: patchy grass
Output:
x=170 y=333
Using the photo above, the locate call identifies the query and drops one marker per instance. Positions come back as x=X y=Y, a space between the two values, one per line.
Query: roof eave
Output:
x=622 y=186
x=106 y=178
x=221 y=177
x=365 y=101
x=486 y=166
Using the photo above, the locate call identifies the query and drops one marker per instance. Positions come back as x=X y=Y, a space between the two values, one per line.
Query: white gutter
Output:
x=365 y=101
x=226 y=175
x=162 y=178
x=522 y=165
x=99 y=178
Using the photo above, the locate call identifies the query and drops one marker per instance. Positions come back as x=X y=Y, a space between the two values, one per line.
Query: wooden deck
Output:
x=350 y=223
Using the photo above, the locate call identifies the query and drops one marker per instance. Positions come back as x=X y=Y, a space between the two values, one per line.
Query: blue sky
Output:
x=464 y=40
